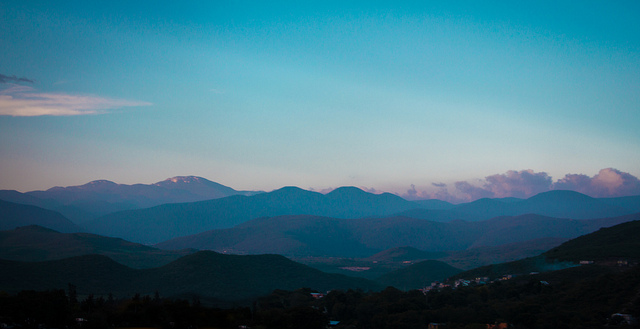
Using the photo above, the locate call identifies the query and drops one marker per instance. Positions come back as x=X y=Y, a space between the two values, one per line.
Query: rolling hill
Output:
x=205 y=273
x=620 y=242
x=36 y=243
x=604 y=246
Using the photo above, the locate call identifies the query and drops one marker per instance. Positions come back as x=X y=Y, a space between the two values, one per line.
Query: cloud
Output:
x=519 y=184
x=13 y=78
x=608 y=182
x=441 y=193
x=23 y=101
x=412 y=194
x=471 y=192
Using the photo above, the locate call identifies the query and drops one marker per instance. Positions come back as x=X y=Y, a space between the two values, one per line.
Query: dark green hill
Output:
x=35 y=243
x=90 y=273
x=617 y=242
x=604 y=246
x=231 y=277
x=206 y=273
x=14 y=215
x=418 y=275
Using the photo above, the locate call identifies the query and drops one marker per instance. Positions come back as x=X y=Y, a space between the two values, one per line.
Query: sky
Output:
x=449 y=99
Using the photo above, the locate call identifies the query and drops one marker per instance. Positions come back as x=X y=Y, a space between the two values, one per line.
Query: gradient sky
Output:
x=260 y=95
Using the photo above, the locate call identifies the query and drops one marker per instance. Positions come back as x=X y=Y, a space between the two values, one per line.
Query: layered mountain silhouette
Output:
x=299 y=236
x=559 y=203
x=36 y=243
x=168 y=221
x=13 y=215
x=100 y=197
x=156 y=224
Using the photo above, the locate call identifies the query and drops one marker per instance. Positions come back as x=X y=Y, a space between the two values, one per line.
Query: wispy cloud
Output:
x=24 y=101
x=13 y=78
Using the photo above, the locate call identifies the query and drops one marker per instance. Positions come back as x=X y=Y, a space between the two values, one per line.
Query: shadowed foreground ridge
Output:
x=205 y=273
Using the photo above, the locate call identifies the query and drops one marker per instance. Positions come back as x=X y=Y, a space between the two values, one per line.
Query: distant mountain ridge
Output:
x=164 y=222
x=100 y=197
x=556 y=203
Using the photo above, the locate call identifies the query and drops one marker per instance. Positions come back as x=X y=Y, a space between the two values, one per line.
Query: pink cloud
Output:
x=608 y=182
x=21 y=101
x=471 y=192
x=519 y=184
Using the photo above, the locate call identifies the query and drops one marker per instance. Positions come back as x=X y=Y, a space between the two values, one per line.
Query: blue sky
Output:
x=259 y=95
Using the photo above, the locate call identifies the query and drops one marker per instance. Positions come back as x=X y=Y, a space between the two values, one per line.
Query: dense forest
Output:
x=579 y=297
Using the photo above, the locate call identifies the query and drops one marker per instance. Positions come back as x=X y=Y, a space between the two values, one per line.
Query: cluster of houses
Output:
x=436 y=285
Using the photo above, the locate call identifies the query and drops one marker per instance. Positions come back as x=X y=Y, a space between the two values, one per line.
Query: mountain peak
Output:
x=561 y=194
x=93 y=185
x=184 y=179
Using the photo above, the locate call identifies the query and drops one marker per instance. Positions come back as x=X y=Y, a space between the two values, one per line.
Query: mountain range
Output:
x=160 y=223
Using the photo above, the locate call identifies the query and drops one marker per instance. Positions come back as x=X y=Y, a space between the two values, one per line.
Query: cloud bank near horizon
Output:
x=608 y=182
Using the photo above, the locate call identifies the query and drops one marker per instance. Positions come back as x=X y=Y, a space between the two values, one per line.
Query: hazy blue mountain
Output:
x=299 y=236
x=36 y=243
x=27 y=199
x=206 y=273
x=97 y=198
x=627 y=202
x=557 y=203
x=14 y=215
x=168 y=221
x=434 y=204
x=418 y=275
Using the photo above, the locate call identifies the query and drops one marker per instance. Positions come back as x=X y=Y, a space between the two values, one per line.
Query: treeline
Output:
x=584 y=297
x=60 y=309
